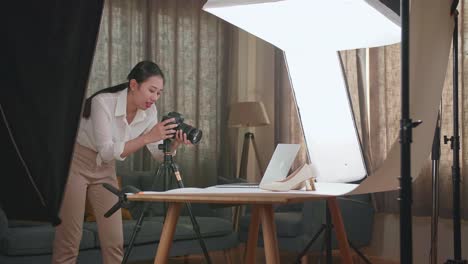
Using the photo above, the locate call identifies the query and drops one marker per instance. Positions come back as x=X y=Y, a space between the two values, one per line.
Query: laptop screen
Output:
x=280 y=163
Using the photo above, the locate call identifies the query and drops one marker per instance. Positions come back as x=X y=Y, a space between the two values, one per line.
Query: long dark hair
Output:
x=141 y=72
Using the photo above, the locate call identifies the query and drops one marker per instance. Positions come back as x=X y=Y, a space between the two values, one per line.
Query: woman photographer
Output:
x=116 y=122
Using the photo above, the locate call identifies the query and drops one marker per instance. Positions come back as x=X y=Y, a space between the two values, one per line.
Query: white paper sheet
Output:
x=323 y=189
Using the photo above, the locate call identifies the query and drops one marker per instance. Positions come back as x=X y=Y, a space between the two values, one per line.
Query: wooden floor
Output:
x=234 y=256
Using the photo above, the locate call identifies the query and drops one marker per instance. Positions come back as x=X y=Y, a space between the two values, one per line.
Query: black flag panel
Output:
x=394 y=5
x=47 y=50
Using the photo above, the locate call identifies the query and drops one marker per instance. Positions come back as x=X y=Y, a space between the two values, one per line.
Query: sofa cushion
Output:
x=209 y=227
x=33 y=239
x=288 y=224
x=150 y=230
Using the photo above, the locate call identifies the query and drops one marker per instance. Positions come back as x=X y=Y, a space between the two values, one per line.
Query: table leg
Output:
x=167 y=234
x=252 y=240
x=269 y=234
x=339 y=230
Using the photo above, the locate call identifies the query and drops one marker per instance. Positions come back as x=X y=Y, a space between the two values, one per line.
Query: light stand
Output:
x=455 y=146
x=167 y=167
x=327 y=227
x=435 y=157
x=406 y=128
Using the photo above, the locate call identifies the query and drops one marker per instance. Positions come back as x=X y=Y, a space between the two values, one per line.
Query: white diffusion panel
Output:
x=326 y=115
x=335 y=24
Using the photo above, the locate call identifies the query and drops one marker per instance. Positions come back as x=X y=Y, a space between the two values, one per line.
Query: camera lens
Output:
x=194 y=135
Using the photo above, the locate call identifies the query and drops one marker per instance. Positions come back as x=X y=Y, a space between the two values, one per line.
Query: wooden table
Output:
x=262 y=212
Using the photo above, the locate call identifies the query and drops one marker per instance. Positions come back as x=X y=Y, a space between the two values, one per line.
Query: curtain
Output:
x=354 y=66
x=373 y=79
x=190 y=47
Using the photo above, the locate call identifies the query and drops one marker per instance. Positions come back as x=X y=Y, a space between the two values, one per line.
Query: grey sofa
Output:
x=31 y=242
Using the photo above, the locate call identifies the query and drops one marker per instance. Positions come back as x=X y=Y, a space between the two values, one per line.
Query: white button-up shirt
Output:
x=106 y=131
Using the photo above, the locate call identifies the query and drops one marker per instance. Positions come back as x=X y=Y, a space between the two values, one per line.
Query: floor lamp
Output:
x=247 y=114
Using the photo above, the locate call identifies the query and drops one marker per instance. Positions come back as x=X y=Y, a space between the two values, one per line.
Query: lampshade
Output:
x=247 y=114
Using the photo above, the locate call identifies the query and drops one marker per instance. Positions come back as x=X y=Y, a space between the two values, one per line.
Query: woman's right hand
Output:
x=162 y=130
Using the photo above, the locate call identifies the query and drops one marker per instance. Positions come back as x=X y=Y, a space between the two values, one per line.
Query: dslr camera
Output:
x=194 y=135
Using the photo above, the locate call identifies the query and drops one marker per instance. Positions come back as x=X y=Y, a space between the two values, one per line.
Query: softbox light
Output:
x=311 y=33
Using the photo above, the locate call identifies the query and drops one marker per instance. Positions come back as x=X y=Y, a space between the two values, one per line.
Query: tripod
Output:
x=327 y=227
x=165 y=170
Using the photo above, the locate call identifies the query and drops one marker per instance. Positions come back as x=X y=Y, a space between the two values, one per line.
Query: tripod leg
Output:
x=235 y=217
x=327 y=241
x=257 y=156
x=333 y=213
x=245 y=156
x=196 y=228
x=167 y=185
x=195 y=225
x=138 y=224
x=136 y=230
x=322 y=250
x=304 y=251
x=362 y=256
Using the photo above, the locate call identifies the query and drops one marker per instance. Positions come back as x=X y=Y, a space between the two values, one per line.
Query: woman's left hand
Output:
x=180 y=138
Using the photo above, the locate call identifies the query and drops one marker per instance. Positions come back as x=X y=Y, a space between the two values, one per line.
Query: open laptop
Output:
x=277 y=169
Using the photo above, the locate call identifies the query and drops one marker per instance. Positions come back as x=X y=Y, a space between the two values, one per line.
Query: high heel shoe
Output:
x=301 y=177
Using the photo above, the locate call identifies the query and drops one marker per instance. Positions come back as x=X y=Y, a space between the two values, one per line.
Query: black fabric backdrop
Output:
x=47 y=49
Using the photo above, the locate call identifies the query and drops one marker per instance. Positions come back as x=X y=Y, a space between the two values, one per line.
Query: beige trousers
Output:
x=85 y=180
